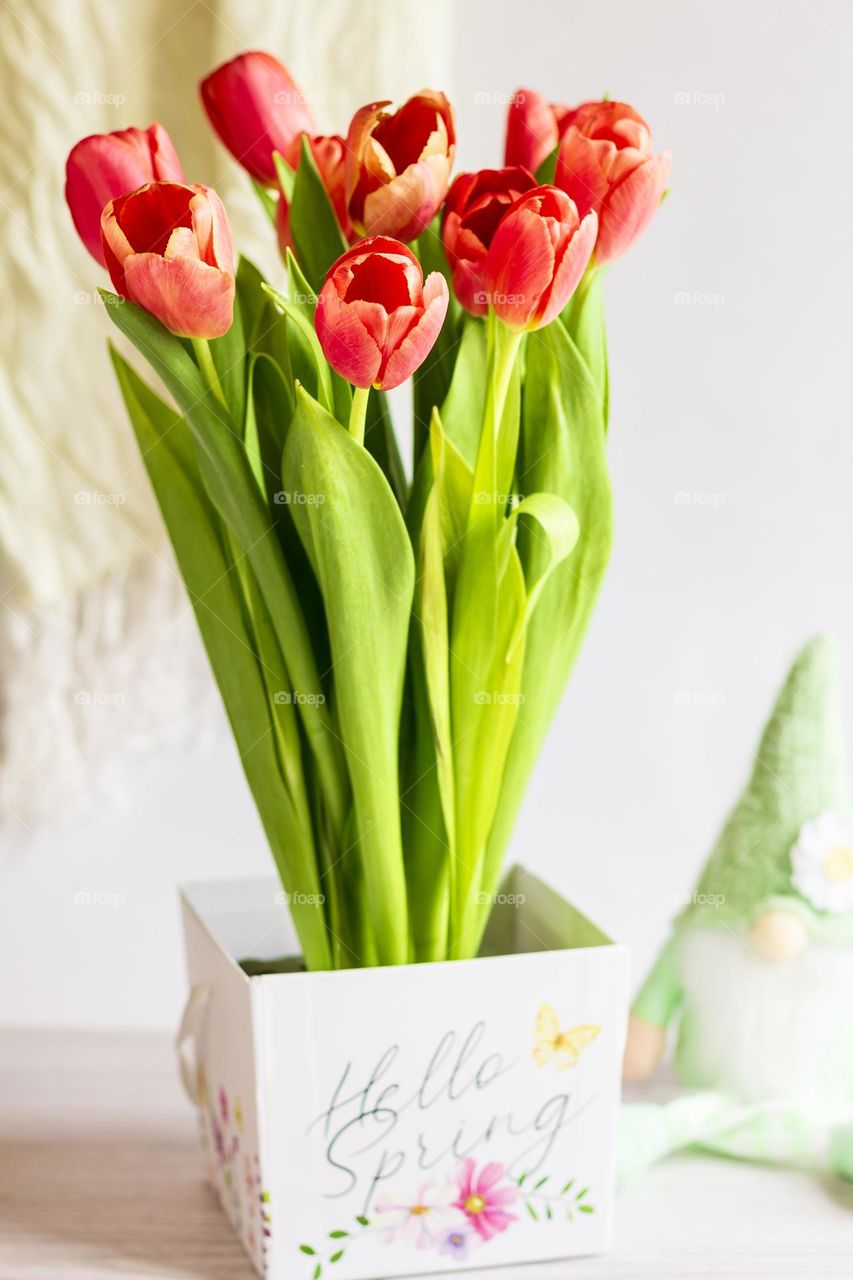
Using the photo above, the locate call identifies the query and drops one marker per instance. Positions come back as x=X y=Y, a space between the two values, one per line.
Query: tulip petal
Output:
x=115 y=246
x=582 y=169
x=421 y=337
x=406 y=204
x=469 y=286
x=570 y=268
x=183 y=244
x=531 y=130
x=519 y=266
x=190 y=298
x=164 y=158
x=346 y=343
x=223 y=247
x=630 y=206
x=374 y=317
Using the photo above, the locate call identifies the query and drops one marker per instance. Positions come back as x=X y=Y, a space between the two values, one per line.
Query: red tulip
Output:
x=607 y=163
x=106 y=165
x=533 y=128
x=256 y=108
x=328 y=153
x=398 y=165
x=537 y=256
x=475 y=205
x=376 y=317
x=168 y=248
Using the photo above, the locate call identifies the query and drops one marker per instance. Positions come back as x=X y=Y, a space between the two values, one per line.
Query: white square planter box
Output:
x=397 y=1121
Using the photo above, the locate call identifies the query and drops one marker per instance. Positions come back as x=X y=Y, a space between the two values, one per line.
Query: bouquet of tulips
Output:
x=389 y=649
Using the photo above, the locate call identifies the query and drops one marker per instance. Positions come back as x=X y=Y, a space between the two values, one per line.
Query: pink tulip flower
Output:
x=377 y=318
x=533 y=128
x=256 y=108
x=398 y=165
x=537 y=256
x=107 y=165
x=168 y=249
x=607 y=163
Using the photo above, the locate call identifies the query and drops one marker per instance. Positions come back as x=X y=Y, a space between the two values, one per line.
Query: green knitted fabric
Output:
x=800 y=771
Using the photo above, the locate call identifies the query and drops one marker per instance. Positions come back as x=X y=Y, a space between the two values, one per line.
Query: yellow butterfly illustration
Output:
x=563 y=1048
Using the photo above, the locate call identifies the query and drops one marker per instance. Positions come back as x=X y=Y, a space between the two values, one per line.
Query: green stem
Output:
x=480 y=563
x=502 y=349
x=358 y=413
x=201 y=347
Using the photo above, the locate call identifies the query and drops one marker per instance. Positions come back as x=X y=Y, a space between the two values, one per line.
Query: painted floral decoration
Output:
x=822 y=863
x=453 y=1217
x=484 y=1198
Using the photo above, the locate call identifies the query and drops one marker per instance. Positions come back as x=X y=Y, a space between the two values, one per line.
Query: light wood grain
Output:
x=100 y=1176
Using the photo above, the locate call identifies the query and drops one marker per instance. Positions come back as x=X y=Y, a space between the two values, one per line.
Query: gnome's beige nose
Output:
x=778 y=935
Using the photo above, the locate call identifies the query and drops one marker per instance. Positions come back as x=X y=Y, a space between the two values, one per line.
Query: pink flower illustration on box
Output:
x=483 y=1199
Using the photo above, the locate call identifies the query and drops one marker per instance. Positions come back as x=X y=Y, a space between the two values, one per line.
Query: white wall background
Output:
x=732 y=464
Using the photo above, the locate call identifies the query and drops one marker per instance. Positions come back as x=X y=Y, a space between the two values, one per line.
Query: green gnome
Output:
x=757 y=975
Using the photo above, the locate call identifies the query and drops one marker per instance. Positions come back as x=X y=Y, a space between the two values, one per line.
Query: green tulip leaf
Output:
x=562 y=452
x=432 y=379
x=313 y=224
x=229 y=360
x=355 y=539
x=462 y=409
x=583 y=318
x=304 y=328
x=233 y=488
x=245 y=669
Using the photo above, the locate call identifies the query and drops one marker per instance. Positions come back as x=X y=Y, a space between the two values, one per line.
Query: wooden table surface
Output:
x=100 y=1176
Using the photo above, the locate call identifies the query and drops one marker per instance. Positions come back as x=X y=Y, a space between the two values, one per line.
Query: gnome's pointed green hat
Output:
x=790 y=834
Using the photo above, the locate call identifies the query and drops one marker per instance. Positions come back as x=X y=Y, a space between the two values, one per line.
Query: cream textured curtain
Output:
x=98 y=651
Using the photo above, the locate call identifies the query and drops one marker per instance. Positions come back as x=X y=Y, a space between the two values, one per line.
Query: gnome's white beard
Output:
x=766 y=1030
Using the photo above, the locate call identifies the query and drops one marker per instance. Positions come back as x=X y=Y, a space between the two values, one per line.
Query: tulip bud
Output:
x=107 y=165
x=168 y=249
x=256 y=108
x=475 y=205
x=607 y=163
x=328 y=153
x=533 y=128
x=537 y=257
x=398 y=165
x=377 y=318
